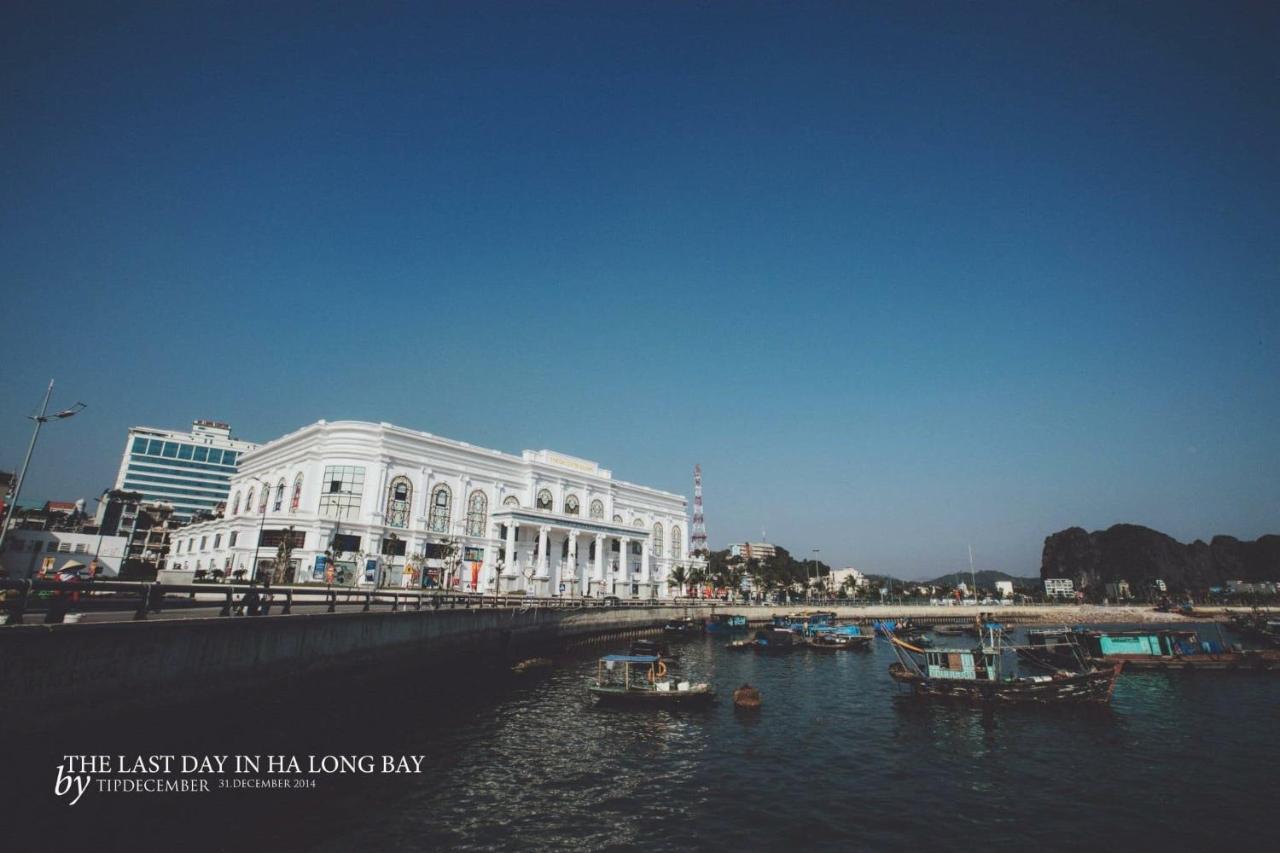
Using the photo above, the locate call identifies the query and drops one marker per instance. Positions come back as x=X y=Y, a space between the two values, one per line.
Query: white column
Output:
x=487 y=574
x=644 y=563
x=599 y=568
x=543 y=533
x=572 y=573
x=624 y=568
x=511 y=568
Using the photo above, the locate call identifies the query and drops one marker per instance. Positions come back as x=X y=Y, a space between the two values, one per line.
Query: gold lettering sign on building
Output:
x=570 y=462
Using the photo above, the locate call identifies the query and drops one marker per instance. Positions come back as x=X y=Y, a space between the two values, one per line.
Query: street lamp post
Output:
x=40 y=420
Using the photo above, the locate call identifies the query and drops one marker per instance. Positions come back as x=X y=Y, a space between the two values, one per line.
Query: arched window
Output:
x=279 y=502
x=235 y=505
x=597 y=509
x=571 y=505
x=297 y=493
x=262 y=501
x=675 y=542
x=477 y=512
x=399 y=499
x=511 y=500
x=248 y=501
x=639 y=522
x=439 y=518
x=617 y=519
x=544 y=500
x=657 y=539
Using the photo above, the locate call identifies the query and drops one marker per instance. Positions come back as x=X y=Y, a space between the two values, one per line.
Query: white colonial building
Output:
x=380 y=504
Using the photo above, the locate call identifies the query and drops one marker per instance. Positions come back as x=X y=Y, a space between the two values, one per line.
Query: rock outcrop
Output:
x=1140 y=555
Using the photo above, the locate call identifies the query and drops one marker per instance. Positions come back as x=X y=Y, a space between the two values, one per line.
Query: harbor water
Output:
x=836 y=759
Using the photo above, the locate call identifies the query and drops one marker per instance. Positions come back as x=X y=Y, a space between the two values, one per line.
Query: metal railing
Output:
x=60 y=598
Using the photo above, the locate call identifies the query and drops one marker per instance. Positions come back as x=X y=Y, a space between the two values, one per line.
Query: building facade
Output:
x=1059 y=587
x=754 y=550
x=376 y=504
x=192 y=471
x=28 y=553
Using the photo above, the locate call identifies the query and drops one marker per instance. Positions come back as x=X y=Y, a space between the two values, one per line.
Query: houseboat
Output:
x=642 y=680
x=978 y=674
x=1172 y=648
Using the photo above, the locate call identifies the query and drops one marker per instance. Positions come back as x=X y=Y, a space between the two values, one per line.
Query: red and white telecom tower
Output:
x=698 y=542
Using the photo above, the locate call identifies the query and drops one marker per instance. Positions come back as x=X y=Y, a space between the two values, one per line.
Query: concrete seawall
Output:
x=55 y=673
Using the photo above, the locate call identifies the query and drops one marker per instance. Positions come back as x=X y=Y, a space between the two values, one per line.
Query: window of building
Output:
x=231 y=539
x=215 y=456
x=635 y=549
x=399 y=499
x=675 y=542
x=202 y=454
x=64 y=547
x=170 y=450
x=477 y=511
x=297 y=494
x=235 y=505
x=511 y=500
x=571 y=505
x=279 y=501
x=82 y=548
x=657 y=539
x=393 y=546
x=544 y=500
x=184 y=451
x=217 y=541
x=439 y=519
x=273 y=538
x=204 y=540
x=597 y=509
x=155 y=447
x=617 y=519
x=228 y=457
x=178 y=548
x=262 y=500
x=341 y=491
x=139 y=445
x=248 y=501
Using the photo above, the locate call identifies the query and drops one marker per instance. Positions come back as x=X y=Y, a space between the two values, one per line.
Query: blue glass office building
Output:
x=191 y=470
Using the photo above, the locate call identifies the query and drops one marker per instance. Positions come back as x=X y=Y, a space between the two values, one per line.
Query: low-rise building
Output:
x=1004 y=589
x=1059 y=587
x=754 y=550
x=839 y=576
x=30 y=553
x=1119 y=590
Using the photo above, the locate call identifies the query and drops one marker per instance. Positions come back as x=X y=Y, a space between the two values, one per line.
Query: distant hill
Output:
x=986 y=580
x=1139 y=554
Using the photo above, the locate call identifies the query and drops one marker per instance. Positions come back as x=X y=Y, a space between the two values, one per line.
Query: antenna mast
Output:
x=699 y=539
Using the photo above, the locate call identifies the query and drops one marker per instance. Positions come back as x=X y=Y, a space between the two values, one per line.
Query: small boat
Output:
x=839 y=638
x=723 y=623
x=530 y=664
x=806 y=621
x=777 y=640
x=642 y=680
x=978 y=675
x=651 y=647
x=685 y=625
x=1172 y=649
x=740 y=645
x=747 y=698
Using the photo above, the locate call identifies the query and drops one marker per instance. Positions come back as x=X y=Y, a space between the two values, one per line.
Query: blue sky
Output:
x=901 y=276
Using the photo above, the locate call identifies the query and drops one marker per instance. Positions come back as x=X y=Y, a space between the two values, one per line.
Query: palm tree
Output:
x=697 y=577
x=678 y=578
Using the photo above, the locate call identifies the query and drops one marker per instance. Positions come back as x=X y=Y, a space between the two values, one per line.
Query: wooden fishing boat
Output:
x=642 y=680
x=684 y=625
x=1165 y=649
x=776 y=641
x=979 y=675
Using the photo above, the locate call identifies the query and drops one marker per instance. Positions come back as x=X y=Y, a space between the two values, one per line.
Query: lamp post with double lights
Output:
x=40 y=419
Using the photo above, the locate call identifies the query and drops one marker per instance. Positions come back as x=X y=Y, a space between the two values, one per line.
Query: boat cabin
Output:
x=978 y=665
x=1142 y=643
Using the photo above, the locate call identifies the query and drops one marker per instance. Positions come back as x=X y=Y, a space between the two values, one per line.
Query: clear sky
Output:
x=901 y=276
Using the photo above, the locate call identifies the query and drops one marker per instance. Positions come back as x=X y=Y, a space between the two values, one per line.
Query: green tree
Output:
x=679 y=579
